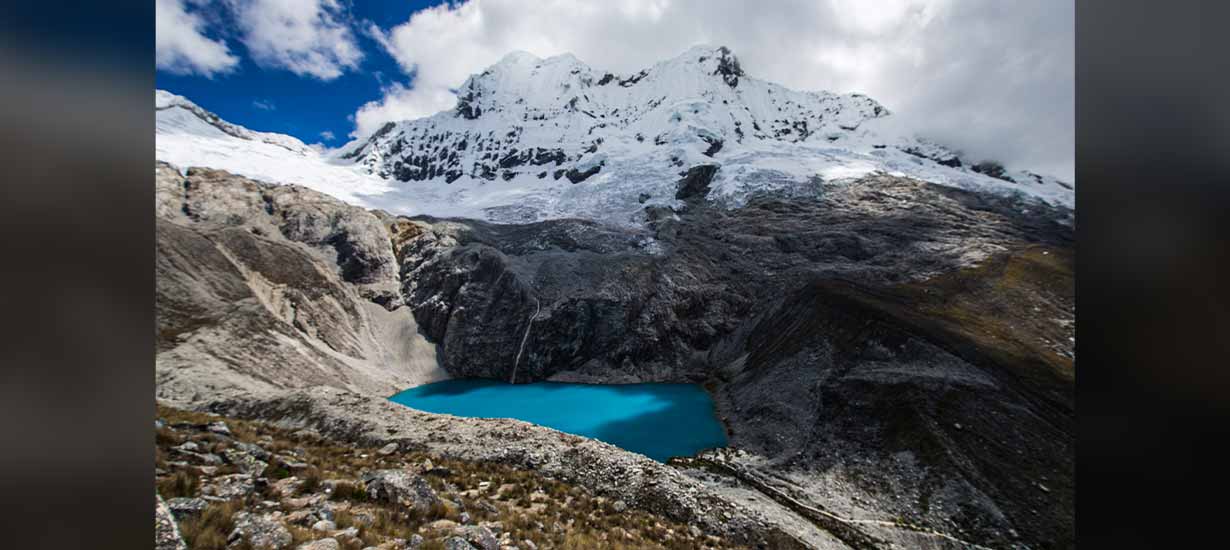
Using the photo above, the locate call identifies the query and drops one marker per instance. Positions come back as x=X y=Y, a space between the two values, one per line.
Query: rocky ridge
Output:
x=262 y=287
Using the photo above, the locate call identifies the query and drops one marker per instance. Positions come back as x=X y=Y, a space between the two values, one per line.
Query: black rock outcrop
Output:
x=695 y=182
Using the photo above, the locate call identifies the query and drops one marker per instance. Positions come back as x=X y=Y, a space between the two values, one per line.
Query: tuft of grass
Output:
x=311 y=482
x=180 y=484
x=210 y=530
x=352 y=491
x=276 y=470
x=164 y=436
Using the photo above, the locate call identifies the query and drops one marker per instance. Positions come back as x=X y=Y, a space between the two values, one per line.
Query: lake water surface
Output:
x=656 y=420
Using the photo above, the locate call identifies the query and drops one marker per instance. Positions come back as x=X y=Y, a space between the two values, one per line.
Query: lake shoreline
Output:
x=657 y=419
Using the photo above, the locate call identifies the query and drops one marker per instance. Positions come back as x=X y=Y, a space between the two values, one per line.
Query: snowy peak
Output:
x=533 y=138
x=706 y=60
x=187 y=135
x=563 y=110
x=176 y=112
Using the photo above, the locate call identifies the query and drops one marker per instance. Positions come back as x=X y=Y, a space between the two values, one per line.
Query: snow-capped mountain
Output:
x=533 y=139
x=187 y=135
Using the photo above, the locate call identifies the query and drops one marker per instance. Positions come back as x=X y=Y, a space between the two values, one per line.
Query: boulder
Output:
x=322 y=544
x=400 y=487
x=255 y=450
x=186 y=507
x=457 y=543
x=188 y=446
x=260 y=532
x=478 y=537
x=246 y=463
x=230 y=486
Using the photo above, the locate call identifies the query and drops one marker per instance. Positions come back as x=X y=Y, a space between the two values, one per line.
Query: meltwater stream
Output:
x=656 y=420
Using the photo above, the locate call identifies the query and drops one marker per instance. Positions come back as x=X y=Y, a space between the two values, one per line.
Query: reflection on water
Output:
x=656 y=420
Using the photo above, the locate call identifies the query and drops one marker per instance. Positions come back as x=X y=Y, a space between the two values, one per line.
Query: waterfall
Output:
x=537 y=308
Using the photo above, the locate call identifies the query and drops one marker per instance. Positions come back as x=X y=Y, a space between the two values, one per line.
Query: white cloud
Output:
x=306 y=37
x=327 y=135
x=995 y=79
x=180 y=45
x=264 y=104
x=402 y=103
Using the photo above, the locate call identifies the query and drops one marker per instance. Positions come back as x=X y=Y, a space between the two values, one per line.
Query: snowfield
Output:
x=534 y=139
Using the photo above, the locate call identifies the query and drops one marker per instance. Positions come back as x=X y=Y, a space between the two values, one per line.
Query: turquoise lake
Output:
x=656 y=420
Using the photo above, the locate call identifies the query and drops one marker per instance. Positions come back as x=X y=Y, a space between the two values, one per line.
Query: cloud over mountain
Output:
x=993 y=79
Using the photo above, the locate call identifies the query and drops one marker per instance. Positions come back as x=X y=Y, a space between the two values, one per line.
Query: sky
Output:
x=995 y=80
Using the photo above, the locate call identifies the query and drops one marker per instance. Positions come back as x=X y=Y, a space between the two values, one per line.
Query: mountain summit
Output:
x=533 y=139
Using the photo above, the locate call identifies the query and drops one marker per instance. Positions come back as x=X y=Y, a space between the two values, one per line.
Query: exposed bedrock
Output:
x=263 y=287
x=903 y=342
x=673 y=301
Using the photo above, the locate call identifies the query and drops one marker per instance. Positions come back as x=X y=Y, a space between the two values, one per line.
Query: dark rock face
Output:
x=728 y=67
x=466 y=107
x=948 y=372
x=948 y=159
x=993 y=169
x=608 y=304
x=578 y=176
x=816 y=320
x=696 y=182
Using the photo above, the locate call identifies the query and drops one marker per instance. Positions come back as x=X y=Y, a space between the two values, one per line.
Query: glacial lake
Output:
x=656 y=420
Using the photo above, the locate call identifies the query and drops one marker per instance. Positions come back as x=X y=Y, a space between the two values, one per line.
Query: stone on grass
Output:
x=260 y=532
x=457 y=543
x=230 y=486
x=400 y=487
x=184 y=508
x=322 y=544
x=478 y=537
